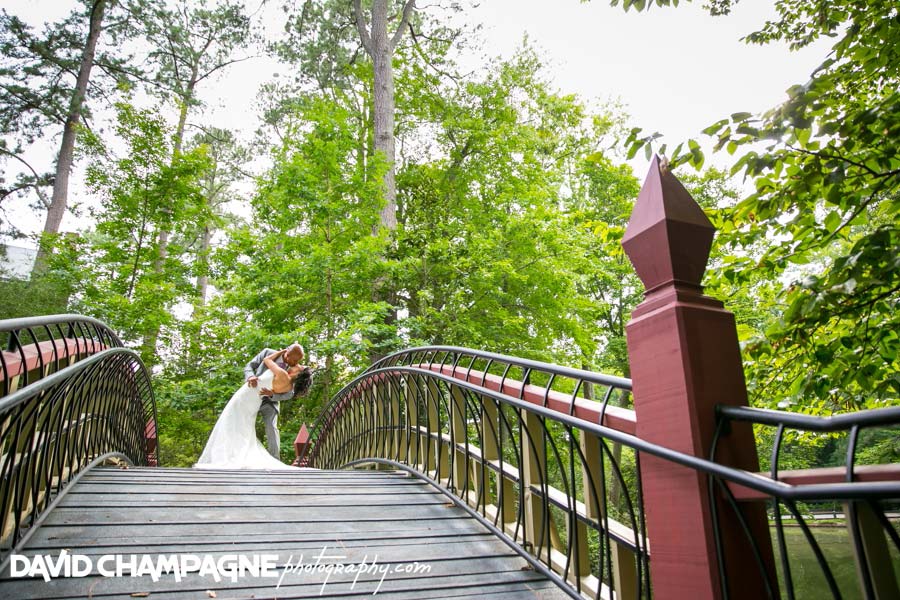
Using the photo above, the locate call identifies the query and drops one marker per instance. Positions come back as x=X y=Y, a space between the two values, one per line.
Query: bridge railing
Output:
x=34 y=347
x=615 y=503
x=535 y=467
x=861 y=503
x=55 y=427
x=555 y=476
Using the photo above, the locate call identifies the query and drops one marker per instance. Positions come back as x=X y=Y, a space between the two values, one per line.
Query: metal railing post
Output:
x=490 y=423
x=414 y=442
x=459 y=437
x=395 y=417
x=534 y=474
x=436 y=455
x=872 y=556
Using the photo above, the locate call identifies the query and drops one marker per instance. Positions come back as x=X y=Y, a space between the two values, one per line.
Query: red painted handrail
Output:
x=47 y=352
x=862 y=473
x=614 y=417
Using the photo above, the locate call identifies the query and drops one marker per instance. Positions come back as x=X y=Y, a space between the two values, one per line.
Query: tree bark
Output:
x=203 y=255
x=383 y=99
x=59 y=200
x=380 y=47
x=162 y=241
x=182 y=115
x=178 y=142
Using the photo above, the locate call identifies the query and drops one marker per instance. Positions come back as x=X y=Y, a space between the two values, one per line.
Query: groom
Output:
x=269 y=406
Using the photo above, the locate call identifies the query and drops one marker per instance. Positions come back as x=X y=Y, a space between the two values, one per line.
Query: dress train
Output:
x=233 y=443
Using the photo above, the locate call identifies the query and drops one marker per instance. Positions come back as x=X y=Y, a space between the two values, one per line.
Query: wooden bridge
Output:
x=413 y=541
x=464 y=472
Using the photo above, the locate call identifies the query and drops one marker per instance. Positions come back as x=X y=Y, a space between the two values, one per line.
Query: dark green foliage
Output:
x=142 y=191
x=44 y=293
x=37 y=84
x=501 y=236
x=824 y=216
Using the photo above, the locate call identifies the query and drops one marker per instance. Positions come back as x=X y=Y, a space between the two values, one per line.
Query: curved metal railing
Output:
x=860 y=499
x=557 y=475
x=526 y=459
x=53 y=428
x=34 y=347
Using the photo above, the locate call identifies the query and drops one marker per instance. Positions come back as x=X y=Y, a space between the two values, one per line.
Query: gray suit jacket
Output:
x=257 y=367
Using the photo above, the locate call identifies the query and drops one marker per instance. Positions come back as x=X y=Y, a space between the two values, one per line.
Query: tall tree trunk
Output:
x=177 y=143
x=162 y=242
x=383 y=99
x=203 y=277
x=59 y=200
x=379 y=44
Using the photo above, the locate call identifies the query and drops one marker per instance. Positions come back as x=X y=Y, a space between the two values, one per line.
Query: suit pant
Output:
x=269 y=411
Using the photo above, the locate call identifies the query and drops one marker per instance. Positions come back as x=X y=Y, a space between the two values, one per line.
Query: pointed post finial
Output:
x=302 y=435
x=668 y=238
x=300 y=444
x=685 y=360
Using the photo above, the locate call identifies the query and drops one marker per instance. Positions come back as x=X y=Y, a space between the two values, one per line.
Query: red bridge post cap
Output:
x=668 y=237
x=302 y=435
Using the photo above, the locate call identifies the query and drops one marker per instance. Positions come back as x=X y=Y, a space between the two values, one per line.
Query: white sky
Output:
x=675 y=70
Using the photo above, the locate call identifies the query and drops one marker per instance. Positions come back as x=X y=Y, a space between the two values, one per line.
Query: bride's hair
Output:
x=303 y=382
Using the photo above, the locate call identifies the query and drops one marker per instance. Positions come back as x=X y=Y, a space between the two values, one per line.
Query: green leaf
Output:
x=712 y=129
x=832 y=221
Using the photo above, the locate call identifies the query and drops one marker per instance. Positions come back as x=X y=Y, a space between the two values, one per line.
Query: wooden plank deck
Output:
x=350 y=516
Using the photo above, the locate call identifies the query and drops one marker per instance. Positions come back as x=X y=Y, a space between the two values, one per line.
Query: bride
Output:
x=233 y=443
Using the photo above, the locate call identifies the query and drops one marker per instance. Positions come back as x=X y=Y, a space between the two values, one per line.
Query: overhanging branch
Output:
x=404 y=21
x=364 y=37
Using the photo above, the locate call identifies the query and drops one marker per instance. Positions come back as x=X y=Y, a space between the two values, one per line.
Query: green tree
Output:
x=327 y=41
x=227 y=159
x=602 y=204
x=496 y=241
x=192 y=43
x=304 y=265
x=43 y=293
x=142 y=192
x=46 y=82
x=826 y=168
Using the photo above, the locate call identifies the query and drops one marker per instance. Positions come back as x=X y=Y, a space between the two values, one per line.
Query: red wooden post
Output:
x=685 y=359
x=151 y=440
x=300 y=443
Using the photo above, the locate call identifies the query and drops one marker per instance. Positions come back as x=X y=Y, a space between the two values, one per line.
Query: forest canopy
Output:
x=392 y=198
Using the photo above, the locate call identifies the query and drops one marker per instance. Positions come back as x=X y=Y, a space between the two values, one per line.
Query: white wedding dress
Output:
x=233 y=443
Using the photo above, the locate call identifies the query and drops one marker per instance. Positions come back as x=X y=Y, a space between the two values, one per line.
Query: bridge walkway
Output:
x=385 y=518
